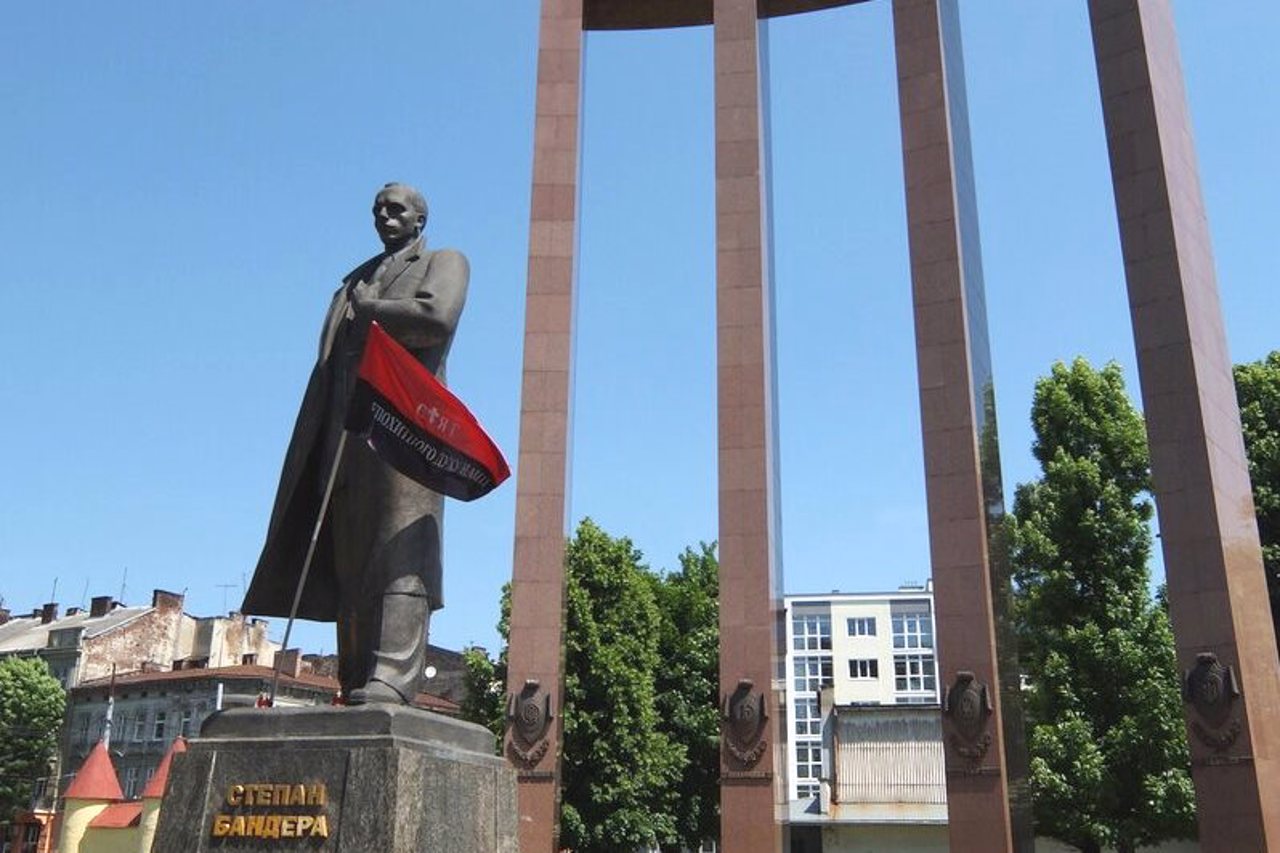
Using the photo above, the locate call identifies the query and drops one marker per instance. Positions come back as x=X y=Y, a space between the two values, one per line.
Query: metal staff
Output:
x=306 y=566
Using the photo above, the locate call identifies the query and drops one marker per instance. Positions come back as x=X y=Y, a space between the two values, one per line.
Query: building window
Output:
x=186 y=724
x=864 y=668
x=912 y=631
x=811 y=673
x=64 y=638
x=808 y=717
x=140 y=727
x=811 y=631
x=914 y=674
x=61 y=672
x=808 y=768
x=33 y=836
x=157 y=732
x=861 y=626
x=248 y=660
x=130 y=782
x=812 y=667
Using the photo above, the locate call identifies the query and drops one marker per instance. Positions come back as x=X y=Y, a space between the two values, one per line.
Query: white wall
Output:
x=845 y=648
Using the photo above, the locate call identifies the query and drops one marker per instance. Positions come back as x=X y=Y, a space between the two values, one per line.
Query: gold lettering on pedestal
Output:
x=272 y=825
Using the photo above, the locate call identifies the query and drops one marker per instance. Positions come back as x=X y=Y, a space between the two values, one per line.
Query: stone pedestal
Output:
x=346 y=780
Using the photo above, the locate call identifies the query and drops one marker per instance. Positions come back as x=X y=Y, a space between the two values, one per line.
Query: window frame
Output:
x=864 y=669
x=860 y=626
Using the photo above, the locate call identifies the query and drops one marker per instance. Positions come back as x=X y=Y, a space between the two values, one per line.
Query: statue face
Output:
x=396 y=217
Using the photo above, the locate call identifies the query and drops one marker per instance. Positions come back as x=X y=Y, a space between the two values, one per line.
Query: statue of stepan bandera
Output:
x=355 y=533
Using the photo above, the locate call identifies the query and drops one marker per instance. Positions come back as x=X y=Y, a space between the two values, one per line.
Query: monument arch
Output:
x=1213 y=561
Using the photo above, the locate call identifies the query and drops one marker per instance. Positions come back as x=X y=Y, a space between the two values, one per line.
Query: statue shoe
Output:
x=376 y=692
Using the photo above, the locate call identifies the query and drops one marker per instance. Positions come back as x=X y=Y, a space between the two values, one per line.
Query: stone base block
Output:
x=346 y=780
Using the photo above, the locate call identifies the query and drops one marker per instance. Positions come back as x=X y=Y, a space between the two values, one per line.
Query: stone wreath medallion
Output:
x=744 y=718
x=1212 y=689
x=529 y=715
x=967 y=704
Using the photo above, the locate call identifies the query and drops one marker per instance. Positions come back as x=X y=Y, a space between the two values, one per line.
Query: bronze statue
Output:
x=376 y=568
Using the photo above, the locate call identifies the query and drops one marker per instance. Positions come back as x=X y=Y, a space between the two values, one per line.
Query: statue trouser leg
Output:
x=386 y=564
x=358 y=593
x=355 y=652
x=400 y=653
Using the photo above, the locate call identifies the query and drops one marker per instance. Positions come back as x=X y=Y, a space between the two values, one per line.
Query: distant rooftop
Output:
x=248 y=672
x=221 y=673
x=155 y=786
x=96 y=779
x=910 y=588
x=29 y=633
x=118 y=816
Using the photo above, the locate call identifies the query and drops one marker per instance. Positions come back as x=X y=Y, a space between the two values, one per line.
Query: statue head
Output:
x=399 y=215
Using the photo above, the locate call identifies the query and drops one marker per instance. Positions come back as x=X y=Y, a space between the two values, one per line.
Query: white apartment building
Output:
x=865 y=765
x=873 y=648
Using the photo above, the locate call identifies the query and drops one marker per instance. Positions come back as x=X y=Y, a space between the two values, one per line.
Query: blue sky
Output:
x=182 y=187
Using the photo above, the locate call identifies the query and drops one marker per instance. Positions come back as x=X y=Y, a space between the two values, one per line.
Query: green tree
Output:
x=688 y=686
x=32 y=703
x=1109 y=761
x=641 y=730
x=619 y=768
x=485 y=680
x=1258 y=388
x=485 y=684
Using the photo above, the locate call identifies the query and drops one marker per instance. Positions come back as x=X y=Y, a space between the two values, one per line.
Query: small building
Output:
x=150 y=709
x=84 y=645
x=864 y=747
x=97 y=816
x=30 y=831
x=871 y=648
x=88 y=644
x=883 y=784
x=152 y=713
x=866 y=769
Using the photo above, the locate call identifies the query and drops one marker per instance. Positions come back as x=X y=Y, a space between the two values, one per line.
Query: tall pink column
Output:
x=981 y=725
x=751 y=754
x=535 y=653
x=1217 y=590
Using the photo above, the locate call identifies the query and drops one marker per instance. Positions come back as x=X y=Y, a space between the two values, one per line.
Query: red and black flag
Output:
x=418 y=427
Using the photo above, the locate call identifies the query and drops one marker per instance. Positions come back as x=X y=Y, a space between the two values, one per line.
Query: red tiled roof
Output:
x=432 y=702
x=251 y=672
x=221 y=673
x=155 y=787
x=118 y=816
x=97 y=778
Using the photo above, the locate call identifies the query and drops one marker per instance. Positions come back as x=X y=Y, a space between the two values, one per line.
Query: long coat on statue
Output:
x=416 y=296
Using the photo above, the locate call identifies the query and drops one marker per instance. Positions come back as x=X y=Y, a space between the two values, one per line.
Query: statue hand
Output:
x=361 y=304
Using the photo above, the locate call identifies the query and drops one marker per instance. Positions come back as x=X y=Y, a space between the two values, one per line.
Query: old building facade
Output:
x=88 y=645
x=108 y=636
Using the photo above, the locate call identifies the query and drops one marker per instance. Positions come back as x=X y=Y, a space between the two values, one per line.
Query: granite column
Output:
x=986 y=811
x=536 y=648
x=1218 y=599
x=750 y=604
